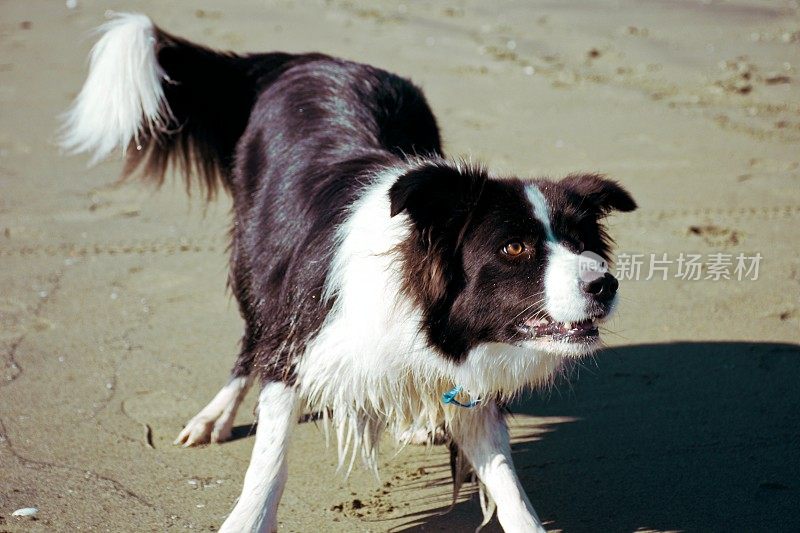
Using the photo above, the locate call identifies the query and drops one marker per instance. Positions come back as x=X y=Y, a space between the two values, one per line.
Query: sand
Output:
x=115 y=325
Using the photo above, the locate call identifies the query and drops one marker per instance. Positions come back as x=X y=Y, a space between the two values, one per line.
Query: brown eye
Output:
x=513 y=249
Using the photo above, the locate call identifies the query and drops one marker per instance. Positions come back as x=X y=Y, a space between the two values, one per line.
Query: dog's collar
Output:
x=450 y=397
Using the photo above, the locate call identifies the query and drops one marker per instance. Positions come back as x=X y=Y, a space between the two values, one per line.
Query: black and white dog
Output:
x=372 y=273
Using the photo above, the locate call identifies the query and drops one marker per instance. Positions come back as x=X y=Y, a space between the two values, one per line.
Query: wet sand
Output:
x=115 y=325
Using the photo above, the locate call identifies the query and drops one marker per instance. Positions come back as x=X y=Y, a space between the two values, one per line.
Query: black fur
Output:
x=581 y=201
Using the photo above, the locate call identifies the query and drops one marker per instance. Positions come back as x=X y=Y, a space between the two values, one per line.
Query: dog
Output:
x=381 y=284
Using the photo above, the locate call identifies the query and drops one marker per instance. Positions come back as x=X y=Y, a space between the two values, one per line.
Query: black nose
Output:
x=603 y=288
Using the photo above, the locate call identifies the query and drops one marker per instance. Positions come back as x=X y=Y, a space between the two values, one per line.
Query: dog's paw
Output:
x=215 y=422
x=204 y=430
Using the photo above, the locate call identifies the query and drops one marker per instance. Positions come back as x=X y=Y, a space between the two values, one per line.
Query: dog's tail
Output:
x=161 y=100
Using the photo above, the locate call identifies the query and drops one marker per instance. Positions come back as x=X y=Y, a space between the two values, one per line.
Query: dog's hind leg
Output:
x=256 y=510
x=214 y=422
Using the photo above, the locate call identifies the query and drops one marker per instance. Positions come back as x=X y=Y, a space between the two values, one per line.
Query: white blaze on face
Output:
x=541 y=211
x=564 y=300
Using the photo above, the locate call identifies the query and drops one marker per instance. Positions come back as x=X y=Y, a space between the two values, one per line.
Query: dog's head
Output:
x=511 y=261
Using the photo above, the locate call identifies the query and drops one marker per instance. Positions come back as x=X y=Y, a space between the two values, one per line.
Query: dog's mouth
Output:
x=584 y=331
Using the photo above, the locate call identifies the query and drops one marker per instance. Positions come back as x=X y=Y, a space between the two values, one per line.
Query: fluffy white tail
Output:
x=165 y=102
x=122 y=96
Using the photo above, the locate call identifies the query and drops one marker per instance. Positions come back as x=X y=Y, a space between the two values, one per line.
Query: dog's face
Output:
x=507 y=260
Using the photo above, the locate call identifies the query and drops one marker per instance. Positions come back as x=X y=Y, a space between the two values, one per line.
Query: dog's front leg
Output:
x=256 y=510
x=482 y=436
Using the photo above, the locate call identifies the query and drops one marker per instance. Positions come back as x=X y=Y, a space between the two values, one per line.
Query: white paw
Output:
x=202 y=430
x=195 y=433
x=215 y=422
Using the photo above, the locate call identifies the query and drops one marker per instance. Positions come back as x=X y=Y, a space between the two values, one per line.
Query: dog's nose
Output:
x=603 y=288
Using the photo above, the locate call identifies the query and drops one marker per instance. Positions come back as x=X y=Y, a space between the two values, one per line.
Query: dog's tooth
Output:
x=568 y=325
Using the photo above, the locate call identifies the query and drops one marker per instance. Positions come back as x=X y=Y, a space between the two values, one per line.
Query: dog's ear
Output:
x=437 y=195
x=438 y=198
x=603 y=194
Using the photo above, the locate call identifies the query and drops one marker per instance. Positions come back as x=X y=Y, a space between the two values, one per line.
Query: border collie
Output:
x=373 y=274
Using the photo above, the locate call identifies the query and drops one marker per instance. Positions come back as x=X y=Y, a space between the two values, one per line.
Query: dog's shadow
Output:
x=668 y=437
x=244 y=431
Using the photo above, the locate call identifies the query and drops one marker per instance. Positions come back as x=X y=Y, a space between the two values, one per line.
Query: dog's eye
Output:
x=513 y=249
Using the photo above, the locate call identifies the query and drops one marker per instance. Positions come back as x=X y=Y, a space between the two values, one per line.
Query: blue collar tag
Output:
x=450 y=397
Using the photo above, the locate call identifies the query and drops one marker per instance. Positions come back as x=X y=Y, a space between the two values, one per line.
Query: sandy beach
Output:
x=116 y=327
